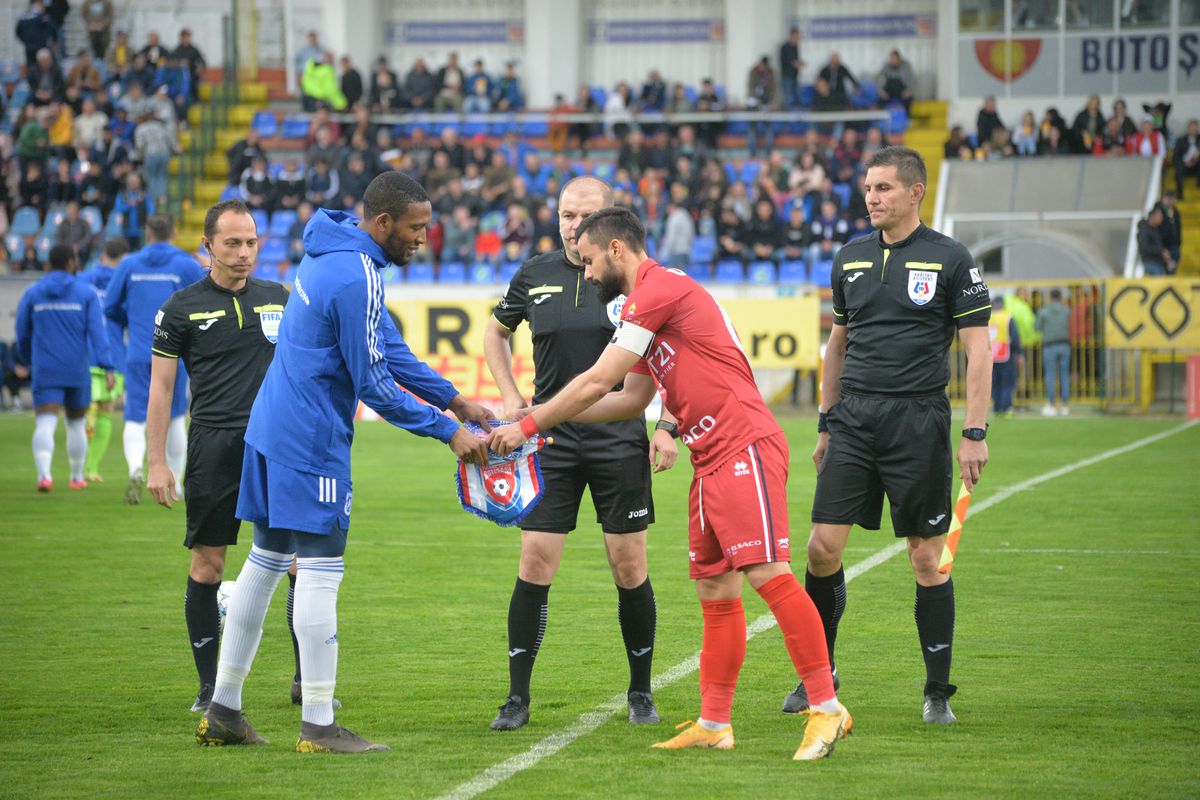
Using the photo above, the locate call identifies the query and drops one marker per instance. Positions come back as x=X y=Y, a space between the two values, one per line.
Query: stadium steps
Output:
x=926 y=135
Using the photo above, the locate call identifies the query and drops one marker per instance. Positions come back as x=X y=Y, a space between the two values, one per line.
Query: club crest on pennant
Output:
x=501 y=483
x=921 y=286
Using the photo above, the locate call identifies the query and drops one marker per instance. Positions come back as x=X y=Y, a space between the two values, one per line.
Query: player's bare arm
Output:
x=972 y=456
x=831 y=384
x=497 y=349
x=467 y=410
x=664 y=450
x=159 y=479
x=580 y=394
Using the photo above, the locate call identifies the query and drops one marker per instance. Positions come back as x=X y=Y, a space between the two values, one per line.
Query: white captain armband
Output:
x=633 y=338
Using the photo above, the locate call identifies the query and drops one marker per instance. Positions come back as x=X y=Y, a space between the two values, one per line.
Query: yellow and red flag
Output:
x=956 y=525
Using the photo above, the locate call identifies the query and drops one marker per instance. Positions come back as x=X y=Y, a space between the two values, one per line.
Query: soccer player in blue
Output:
x=337 y=345
x=58 y=324
x=136 y=292
x=99 y=416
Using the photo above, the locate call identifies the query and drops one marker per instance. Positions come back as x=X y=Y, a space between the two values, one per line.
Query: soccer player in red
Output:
x=738 y=526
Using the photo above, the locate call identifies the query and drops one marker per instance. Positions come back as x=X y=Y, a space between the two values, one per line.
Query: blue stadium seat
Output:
x=15 y=246
x=261 y=221
x=842 y=190
x=272 y=252
x=737 y=127
x=50 y=226
x=294 y=127
x=282 y=221
x=652 y=246
x=867 y=96
x=92 y=216
x=897 y=118
x=534 y=129
x=25 y=221
x=112 y=227
x=690 y=93
x=274 y=169
x=265 y=123
x=729 y=272
x=452 y=272
x=392 y=274
x=600 y=95
x=703 y=249
x=44 y=243
x=793 y=272
x=808 y=93
x=750 y=172
x=699 y=271
x=507 y=271
x=821 y=272
x=420 y=272
x=231 y=192
x=719 y=91
x=760 y=272
x=731 y=171
x=482 y=272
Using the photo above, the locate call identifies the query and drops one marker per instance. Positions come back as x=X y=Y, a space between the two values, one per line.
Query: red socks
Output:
x=803 y=635
x=721 y=656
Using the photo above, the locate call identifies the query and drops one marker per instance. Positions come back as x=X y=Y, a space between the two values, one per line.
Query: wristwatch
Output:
x=669 y=427
x=975 y=434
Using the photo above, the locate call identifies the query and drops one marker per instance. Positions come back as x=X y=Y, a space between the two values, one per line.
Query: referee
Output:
x=224 y=327
x=570 y=328
x=899 y=296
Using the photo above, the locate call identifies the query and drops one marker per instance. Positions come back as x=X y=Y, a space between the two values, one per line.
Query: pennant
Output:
x=508 y=487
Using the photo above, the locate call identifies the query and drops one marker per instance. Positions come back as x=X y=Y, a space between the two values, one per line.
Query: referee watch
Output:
x=976 y=434
x=669 y=427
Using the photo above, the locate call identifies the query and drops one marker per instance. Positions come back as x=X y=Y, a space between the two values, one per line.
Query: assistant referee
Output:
x=224 y=327
x=899 y=297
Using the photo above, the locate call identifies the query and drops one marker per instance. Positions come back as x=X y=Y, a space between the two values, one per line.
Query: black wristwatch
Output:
x=669 y=427
x=822 y=421
x=975 y=434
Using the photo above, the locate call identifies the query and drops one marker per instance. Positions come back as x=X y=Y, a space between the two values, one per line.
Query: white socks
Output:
x=134 y=439
x=709 y=725
x=317 y=581
x=43 y=443
x=77 y=444
x=243 y=623
x=177 y=451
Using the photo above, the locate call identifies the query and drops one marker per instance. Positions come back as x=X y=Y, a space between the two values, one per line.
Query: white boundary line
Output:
x=591 y=720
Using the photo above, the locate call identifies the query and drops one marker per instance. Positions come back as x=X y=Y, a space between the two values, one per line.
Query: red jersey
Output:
x=688 y=343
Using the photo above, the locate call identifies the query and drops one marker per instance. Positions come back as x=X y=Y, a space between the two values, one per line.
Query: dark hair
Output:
x=605 y=190
x=61 y=255
x=230 y=206
x=116 y=248
x=613 y=223
x=1056 y=294
x=391 y=193
x=159 y=227
x=910 y=167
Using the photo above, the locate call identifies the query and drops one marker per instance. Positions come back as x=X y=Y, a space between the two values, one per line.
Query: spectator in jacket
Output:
x=1186 y=156
x=1156 y=260
x=351 y=82
x=896 y=81
x=98 y=19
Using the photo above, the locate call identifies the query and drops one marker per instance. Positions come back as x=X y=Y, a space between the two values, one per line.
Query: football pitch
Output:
x=1078 y=604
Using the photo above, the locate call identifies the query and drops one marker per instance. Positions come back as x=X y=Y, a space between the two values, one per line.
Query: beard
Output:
x=609 y=286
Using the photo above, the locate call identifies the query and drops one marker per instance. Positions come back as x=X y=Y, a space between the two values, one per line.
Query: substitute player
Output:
x=899 y=295
x=136 y=292
x=59 y=324
x=672 y=328
x=99 y=416
x=224 y=328
x=337 y=344
x=570 y=329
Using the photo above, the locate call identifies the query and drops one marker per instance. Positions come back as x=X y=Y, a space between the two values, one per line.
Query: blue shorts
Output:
x=277 y=496
x=304 y=545
x=72 y=397
x=137 y=392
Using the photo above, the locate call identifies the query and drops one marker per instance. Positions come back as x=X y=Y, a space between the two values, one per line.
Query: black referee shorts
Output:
x=618 y=478
x=210 y=485
x=897 y=445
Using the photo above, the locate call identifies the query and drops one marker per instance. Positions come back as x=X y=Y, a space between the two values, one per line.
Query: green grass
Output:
x=1076 y=667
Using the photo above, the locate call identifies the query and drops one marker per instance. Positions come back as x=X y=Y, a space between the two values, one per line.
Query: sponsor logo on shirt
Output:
x=742 y=546
x=698 y=431
x=975 y=276
x=615 y=308
x=784 y=544
x=741 y=468
x=158 y=318
x=975 y=289
x=303 y=294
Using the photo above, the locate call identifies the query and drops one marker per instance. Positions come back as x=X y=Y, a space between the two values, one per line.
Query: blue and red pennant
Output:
x=508 y=488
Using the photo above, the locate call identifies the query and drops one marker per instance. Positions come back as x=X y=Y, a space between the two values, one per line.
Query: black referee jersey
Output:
x=901 y=304
x=570 y=329
x=226 y=340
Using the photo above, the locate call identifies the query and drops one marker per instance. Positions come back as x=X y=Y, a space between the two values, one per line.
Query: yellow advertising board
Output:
x=776 y=333
x=1152 y=313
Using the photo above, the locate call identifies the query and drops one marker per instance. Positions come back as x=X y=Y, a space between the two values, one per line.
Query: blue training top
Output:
x=338 y=344
x=58 y=320
x=99 y=276
x=139 y=288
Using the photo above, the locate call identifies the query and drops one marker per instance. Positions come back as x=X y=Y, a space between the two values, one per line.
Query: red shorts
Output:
x=738 y=513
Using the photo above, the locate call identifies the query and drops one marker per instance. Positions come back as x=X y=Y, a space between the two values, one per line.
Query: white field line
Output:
x=591 y=720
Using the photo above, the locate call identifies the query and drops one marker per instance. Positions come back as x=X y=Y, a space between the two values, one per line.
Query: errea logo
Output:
x=740 y=469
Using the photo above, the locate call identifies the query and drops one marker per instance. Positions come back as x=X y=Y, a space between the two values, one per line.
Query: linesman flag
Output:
x=508 y=488
x=956 y=525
